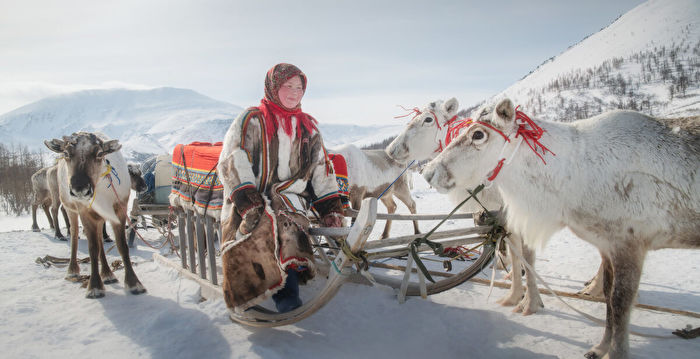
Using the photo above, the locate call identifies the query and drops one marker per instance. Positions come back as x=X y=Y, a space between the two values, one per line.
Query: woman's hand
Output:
x=332 y=220
x=250 y=205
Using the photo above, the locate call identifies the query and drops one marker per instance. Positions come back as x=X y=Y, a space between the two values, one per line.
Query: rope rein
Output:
x=396 y=179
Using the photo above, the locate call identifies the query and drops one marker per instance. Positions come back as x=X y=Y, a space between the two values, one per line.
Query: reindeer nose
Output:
x=81 y=193
x=398 y=152
x=80 y=187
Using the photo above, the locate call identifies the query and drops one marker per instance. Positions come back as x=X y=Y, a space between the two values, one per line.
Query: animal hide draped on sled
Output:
x=255 y=265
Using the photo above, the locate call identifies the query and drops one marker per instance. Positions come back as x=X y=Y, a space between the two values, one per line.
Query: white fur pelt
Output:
x=623 y=181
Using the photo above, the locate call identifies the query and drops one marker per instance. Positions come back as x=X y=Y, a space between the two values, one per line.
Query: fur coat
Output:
x=296 y=179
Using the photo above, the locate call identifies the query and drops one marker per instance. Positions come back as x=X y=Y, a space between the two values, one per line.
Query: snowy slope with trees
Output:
x=647 y=60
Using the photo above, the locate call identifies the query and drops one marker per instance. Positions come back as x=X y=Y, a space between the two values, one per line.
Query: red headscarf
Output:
x=274 y=112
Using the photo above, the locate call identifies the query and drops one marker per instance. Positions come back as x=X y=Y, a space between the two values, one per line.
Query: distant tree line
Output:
x=676 y=67
x=17 y=164
x=379 y=145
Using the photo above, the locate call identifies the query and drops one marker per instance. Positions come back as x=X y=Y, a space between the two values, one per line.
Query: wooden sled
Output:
x=342 y=255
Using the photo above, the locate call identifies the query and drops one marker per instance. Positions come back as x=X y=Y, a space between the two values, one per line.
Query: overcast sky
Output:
x=363 y=58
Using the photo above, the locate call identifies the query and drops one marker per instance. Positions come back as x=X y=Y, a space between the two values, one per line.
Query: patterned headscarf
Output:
x=274 y=112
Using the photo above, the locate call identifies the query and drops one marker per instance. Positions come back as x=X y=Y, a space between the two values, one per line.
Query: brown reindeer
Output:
x=43 y=181
x=94 y=186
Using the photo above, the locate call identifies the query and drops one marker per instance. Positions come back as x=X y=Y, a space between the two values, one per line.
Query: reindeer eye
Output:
x=428 y=120
x=477 y=135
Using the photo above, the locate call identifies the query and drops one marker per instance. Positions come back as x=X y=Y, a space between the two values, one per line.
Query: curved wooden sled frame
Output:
x=340 y=268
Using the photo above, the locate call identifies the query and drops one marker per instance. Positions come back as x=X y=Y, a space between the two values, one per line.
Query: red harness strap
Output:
x=531 y=134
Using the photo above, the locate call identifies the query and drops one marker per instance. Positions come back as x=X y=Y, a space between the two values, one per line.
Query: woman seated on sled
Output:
x=275 y=171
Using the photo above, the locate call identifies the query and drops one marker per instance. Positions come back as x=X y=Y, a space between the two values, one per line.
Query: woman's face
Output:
x=291 y=92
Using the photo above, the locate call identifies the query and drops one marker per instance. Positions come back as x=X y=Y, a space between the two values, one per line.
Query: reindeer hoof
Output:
x=62 y=238
x=95 y=293
x=591 y=355
x=108 y=240
x=72 y=277
x=137 y=289
x=36 y=229
x=109 y=279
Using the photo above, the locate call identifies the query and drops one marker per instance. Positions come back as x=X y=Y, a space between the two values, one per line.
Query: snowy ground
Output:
x=42 y=315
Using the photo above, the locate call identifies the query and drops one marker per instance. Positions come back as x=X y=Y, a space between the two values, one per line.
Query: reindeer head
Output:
x=469 y=159
x=138 y=184
x=419 y=140
x=84 y=154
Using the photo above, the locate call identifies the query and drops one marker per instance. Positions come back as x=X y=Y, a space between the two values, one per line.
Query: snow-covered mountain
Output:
x=648 y=60
x=146 y=121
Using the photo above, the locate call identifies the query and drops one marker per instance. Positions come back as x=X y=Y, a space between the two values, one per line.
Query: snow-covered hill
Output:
x=648 y=60
x=147 y=121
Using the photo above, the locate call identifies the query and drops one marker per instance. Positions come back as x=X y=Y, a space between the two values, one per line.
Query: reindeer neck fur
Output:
x=606 y=170
x=367 y=167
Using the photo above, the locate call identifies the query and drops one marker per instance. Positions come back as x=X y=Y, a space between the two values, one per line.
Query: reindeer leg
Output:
x=91 y=221
x=602 y=348
x=48 y=215
x=106 y=272
x=532 y=301
x=403 y=193
x=388 y=201
x=516 y=292
x=627 y=269
x=132 y=282
x=65 y=218
x=57 y=228
x=594 y=287
x=105 y=236
x=73 y=268
x=35 y=226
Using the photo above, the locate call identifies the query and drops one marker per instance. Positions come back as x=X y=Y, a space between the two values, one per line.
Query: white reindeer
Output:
x=427 y=134
x=94 y=185
x=370 y=172
x=623 y=181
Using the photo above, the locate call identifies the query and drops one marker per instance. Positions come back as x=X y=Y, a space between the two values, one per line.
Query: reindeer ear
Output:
x=451 y=106
x=134 y=169
x=55 y=145
x=111 y=146
x=504 y=113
